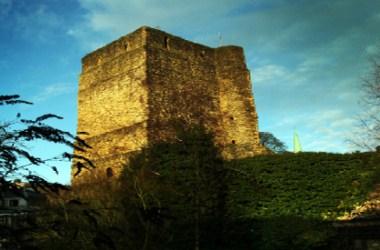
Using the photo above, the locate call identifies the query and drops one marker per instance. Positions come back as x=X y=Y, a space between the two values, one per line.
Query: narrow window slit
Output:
x=109 y=172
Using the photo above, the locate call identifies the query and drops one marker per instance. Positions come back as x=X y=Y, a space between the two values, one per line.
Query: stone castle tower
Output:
x=131 y=89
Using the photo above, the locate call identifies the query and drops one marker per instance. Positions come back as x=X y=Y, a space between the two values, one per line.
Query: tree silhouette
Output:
x=15 y=158
x=17 y=162
x=272 y=143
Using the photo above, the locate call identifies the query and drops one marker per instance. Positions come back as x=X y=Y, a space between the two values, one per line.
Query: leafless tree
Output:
x=368 y=136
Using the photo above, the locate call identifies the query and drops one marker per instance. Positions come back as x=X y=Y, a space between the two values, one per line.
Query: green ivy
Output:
x=309 y=185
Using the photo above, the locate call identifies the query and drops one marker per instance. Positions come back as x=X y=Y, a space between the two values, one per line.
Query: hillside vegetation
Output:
x=313 y=185
x=182 y=195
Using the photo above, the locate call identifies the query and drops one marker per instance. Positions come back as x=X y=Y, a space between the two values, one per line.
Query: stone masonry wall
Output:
x=132 y=89
x=182 y=86
x=239 y=117
x=112 y=101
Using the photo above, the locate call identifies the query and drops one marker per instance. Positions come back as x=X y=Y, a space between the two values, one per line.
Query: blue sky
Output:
x=307 y=57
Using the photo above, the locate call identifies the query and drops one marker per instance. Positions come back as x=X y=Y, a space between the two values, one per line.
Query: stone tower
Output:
x=131 y=89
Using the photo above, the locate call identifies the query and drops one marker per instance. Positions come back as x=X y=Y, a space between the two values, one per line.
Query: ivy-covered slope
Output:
x=309 y=185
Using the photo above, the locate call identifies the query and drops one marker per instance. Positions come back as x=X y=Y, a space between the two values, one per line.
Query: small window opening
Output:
x=233 y=142
x=109 y=172
x=126 y=46
x=232 y=118
x=141 y=99
x=166 y=42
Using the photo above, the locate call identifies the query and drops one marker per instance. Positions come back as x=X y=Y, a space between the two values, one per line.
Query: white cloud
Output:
x=116 y=15
x=348 y=95
x=325 y=130
x=108 y=19
x=331 y=129
x=273 y=74
x=269 y=73
x=54 y=90
x=372 y=49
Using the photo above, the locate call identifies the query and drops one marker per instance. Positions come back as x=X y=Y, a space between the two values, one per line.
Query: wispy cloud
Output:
x=108 y=19
x=54 y=90
x=326 y=130
x=303 y=73
x=269 y=73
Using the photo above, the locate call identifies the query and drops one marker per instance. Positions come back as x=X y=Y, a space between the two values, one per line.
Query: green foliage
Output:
x=17 y=162
x=242 y=204
x=182 y=195
x=15 y=138
x=310 y=185
x=271 y=142
x=178 y=190
x=82 y=223
x=291 y=232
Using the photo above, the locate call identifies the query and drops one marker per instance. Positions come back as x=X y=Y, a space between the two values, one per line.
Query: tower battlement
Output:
x=133 y=88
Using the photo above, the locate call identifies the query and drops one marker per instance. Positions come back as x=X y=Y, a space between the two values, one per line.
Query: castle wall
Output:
x=239 y=117
x=132 y=90
x=112 y=100
x=182 y=85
